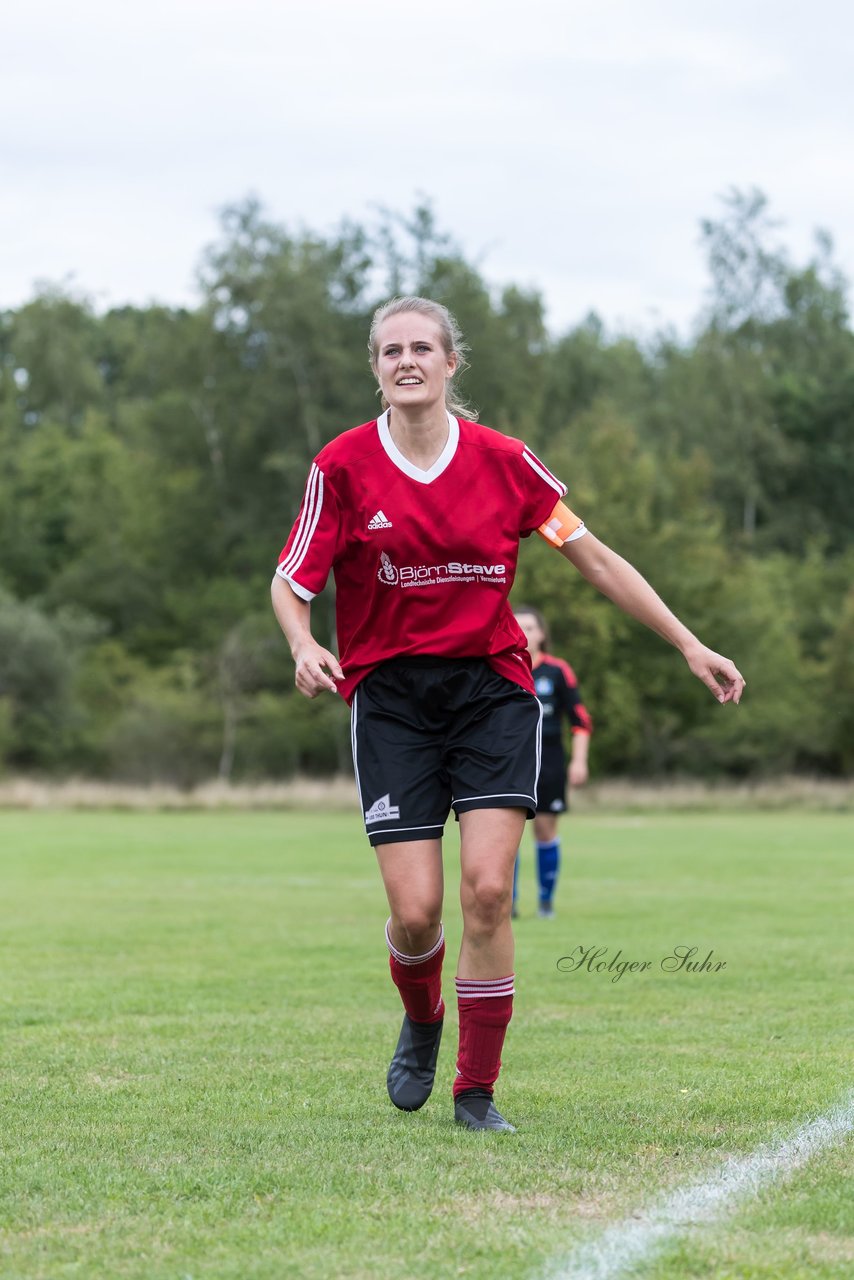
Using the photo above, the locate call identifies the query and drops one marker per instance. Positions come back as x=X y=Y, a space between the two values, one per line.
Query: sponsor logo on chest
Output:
x=433 y=575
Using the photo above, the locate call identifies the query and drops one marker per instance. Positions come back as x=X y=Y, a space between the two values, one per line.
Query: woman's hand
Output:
x=716 y=672
x=311 y=678
x=294 y=618
x=577 y=773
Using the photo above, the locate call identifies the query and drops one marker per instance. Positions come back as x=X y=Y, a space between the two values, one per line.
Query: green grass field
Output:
x=197 y=1019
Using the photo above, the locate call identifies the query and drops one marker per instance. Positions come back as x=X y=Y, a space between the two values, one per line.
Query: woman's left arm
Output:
x=621 y=582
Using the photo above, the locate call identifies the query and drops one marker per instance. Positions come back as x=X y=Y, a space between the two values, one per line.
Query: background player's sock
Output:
x=485 y=1012
x=548 y=866
x=515 y=884
x=419 y=979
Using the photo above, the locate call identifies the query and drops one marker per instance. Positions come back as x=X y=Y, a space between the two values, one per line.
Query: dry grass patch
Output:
x=339 y=795
x=316 y=794
x=795 y=1245
x=788 y=792
x=552 y=1207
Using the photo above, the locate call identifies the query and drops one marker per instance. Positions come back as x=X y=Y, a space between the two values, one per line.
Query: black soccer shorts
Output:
x=431 y=734
x=551 y=787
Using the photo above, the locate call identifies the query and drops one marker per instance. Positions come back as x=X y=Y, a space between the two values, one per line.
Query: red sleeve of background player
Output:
x=308 y=554
x=579 y=716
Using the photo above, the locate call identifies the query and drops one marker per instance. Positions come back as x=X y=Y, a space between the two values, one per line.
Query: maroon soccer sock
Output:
x=485 y=1012
x=419 y=979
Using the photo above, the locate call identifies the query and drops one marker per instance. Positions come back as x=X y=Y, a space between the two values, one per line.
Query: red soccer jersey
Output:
x=423 y=560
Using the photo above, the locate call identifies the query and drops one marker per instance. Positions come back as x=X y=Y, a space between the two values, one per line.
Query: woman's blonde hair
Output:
x=452 y=343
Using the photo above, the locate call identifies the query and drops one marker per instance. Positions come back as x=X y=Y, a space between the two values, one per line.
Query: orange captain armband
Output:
x=562 y=526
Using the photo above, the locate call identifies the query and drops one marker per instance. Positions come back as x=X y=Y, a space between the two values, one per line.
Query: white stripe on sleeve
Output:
x=543 y=472
x=304 y=518
x=311 y=509
x=302 y=592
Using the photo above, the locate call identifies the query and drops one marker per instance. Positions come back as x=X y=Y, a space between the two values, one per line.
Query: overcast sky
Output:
x=566 y=145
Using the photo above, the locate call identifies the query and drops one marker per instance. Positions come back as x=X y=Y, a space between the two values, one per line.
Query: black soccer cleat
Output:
x=476 y=1110
x=413 y=1067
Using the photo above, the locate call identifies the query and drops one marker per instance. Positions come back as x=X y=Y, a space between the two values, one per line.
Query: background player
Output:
x=557 y=689
x=419 y=513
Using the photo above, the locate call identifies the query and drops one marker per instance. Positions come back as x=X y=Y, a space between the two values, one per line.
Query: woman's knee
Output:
x=545 y=828
x=417 y=925
x=486 y=903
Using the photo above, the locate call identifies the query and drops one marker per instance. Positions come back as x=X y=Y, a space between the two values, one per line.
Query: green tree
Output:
x=36 y=664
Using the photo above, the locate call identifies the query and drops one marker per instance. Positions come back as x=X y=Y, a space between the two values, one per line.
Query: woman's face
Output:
x=411 y=363
x=533 y=632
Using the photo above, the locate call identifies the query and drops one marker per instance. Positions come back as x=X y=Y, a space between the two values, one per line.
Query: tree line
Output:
x=152 y=460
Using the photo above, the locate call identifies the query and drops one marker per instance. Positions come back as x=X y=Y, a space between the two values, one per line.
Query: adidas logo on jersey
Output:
x=382 y=810
x=379 y=521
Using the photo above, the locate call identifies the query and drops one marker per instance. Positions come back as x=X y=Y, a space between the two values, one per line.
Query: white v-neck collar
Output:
x=408 y=468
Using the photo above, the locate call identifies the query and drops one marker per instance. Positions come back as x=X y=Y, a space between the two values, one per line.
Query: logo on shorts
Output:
x=379 y=521
x=382 y=810
x=387 y=572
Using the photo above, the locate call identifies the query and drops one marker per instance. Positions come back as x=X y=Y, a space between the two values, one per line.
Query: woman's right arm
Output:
x=621 y=582
x=294 y=617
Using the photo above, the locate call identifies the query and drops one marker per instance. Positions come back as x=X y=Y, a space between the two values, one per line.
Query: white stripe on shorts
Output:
x=430 y=826
x=499 y=795
x=353 y=714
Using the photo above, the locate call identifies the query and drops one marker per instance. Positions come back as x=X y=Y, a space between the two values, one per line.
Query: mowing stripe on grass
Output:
x=635 y=1241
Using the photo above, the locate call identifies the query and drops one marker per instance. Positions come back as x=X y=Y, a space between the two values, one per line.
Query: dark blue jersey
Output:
x=557 y=690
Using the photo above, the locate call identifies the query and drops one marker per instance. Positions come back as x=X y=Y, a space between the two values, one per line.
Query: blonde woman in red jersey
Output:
x=418 y=514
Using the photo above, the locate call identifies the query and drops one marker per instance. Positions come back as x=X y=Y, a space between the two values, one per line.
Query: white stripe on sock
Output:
x=402 y=958
x=478 y=989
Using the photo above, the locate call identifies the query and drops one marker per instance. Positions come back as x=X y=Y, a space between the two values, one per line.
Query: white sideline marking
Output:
x=636 y=1240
